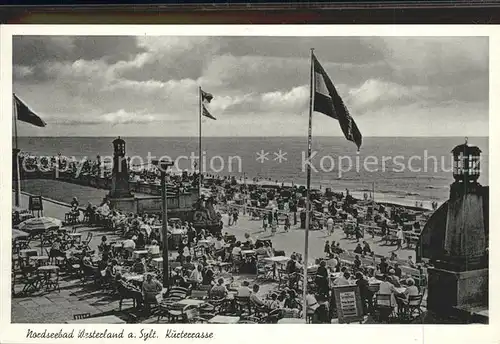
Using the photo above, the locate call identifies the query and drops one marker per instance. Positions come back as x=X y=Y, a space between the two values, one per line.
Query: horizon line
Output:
x=237 y=136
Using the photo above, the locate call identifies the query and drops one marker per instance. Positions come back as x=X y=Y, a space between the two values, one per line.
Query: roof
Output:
x=119 y=140
x=466 y=148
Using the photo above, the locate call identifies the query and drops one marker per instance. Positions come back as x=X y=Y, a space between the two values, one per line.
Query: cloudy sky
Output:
x=147 y=86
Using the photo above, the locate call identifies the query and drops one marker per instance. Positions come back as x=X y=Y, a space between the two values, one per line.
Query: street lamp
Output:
x=163 y=166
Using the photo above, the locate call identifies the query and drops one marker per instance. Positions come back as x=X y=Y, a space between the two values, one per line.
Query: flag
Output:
x=328 y=102
x=206 y=113
x=25 y=114
x=206 y=98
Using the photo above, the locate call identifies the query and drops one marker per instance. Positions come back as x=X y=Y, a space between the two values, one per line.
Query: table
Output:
x=204 y=242
x=139 y=254
x=275 y=261
x=190 y=302
x=107 y=319
x=76 y=236
x=26 y=252
x=222 y=319
x=278 y=259
x=153 y=249
x=158 y=263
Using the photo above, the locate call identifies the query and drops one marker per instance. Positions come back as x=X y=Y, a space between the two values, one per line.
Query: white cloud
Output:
x=124 y=117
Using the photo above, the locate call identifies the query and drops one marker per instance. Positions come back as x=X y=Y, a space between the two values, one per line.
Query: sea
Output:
x=398 y=169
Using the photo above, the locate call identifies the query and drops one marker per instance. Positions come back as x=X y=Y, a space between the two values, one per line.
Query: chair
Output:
x=32 y=281
x=264 y=271
x=199 y=294
x=81 y=316
x=384 y=306
x=87 y=241
x=125 y=294
x=53 y=281
x=414 y=305
x=242 y=304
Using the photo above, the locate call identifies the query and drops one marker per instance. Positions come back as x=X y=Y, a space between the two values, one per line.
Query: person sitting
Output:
x=358 y=249
x=383 y=266
x=178 y=279
x=218 y=291
x=357 y=263
x=188 y=265
x=150 y=288
x=343 y=280
x=393 y=278
x=387 y=288
x=411 y=290
x=56 y=249
x=394 y=257
x=397 y=271
x=269 y=249
x=104 y=245
x=411 y=263
x=366 y=248
x=311 y=302
x=332 y=263
x=196 y=277
x=254 y=297
x=260 y=250
x=208 y=275
x=273 y=302
x=327 y=251
x=219 y=247
x=249 y=241
x=138 y=266
x=292 y=301
x=131 y=289
x=244 y=290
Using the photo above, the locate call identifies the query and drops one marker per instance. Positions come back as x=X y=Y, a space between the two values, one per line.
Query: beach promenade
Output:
x=73 y=298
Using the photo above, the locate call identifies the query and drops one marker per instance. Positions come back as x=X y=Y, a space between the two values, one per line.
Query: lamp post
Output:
x=163 y=166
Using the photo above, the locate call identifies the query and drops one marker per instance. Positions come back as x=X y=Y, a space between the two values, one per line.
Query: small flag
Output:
x=328 y=102
x=206 y=98
x=25 y=114
x=206 y=113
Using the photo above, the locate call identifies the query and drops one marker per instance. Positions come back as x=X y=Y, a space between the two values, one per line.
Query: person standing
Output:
x=400 y=237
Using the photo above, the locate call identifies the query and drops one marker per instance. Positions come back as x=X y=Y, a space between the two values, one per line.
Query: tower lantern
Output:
x=466 y=158
x=119 y=147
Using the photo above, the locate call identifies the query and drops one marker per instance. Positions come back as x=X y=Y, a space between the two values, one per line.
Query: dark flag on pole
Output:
x=25 y=114
x=328 y=102
x=206 y=98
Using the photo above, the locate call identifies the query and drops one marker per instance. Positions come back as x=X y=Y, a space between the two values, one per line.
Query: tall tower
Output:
x=119 y=177
x=455 y=239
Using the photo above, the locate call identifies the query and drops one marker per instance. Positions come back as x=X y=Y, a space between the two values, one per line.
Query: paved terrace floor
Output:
x=58 y=307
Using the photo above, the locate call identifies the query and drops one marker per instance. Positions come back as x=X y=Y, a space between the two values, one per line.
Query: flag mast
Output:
x=15 y=156
x=308 y=185
x=199 y=142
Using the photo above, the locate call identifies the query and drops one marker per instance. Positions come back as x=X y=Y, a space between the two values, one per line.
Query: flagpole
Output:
x=308 y=203
x=15 y=156
x=199 y=142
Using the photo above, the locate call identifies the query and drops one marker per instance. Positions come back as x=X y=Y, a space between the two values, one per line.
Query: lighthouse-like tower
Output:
x=120 y=196
x=119 y=177
x=455 y=240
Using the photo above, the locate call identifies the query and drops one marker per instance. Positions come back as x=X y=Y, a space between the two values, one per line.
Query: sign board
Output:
x=349 y=306
x=35 y=203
